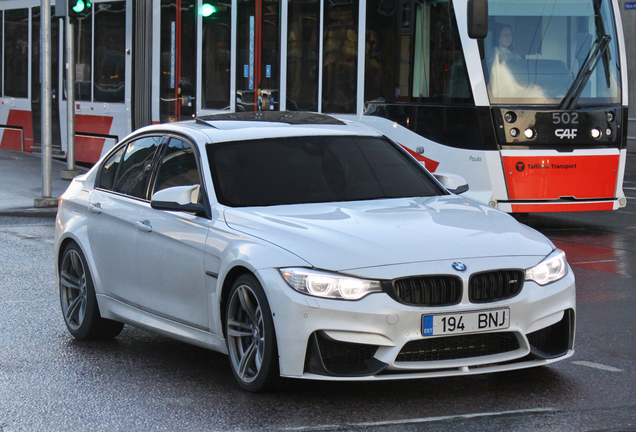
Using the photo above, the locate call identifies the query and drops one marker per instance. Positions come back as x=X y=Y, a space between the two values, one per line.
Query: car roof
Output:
x=257 y=125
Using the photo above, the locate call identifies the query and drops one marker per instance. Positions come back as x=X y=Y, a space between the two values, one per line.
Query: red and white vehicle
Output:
x=533 y=116
x=103 y=80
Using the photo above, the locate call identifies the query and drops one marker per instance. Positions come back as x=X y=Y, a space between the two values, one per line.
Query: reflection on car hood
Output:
x=341 y=236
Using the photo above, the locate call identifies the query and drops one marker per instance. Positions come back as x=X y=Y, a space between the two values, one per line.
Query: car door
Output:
x=172 y=273
x=120 y=190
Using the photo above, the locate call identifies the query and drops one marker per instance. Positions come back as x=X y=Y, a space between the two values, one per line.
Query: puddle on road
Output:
x=606 y=258
x=591 y=247
x=603 y=254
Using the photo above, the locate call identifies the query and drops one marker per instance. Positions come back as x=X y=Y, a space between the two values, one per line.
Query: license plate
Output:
x=467 y=322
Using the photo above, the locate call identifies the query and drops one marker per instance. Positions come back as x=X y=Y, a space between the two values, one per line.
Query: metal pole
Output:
x=70 y=172
x=47 y=148
x=70 y=95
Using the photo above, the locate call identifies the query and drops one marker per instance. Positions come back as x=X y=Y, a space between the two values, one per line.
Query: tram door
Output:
x=102 y=85
x=36 y=81
x=258 y=55
x=178 y=60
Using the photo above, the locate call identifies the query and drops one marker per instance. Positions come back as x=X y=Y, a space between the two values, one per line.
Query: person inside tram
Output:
x=504 y=49
x=508 y=72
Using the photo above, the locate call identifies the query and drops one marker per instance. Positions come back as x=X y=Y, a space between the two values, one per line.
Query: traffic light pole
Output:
x=70 y=171
x=47 y=148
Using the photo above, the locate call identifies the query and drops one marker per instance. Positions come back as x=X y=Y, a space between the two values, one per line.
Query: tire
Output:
x=251 y=337
x=78 y=301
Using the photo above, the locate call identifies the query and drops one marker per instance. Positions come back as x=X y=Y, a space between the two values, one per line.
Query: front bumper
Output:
x=378 y=338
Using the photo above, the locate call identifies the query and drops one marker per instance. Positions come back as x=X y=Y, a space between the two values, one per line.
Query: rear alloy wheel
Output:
x=77 y=297
x=251 y=338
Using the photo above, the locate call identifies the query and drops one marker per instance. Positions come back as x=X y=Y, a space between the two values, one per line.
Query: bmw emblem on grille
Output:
x=459 y=266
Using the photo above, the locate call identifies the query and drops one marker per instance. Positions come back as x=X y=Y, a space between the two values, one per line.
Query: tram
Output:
x=532 y=114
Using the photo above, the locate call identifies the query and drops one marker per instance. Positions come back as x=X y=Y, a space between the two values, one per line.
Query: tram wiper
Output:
x=590 y=63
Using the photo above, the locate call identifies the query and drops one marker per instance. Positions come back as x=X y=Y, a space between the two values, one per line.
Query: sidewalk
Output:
x=21 y=183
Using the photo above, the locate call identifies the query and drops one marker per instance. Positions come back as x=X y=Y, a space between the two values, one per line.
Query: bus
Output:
x=532 y=113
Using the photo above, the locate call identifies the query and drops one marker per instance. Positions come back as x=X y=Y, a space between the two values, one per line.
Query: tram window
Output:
x=543 y=50
x=258 y=56
x=302 y=55
x=414 y=54
x=109 y=55
x=270 y=56
x=340 y=57
x=168 y=69
x=83 y=31
x=1 y=51
x=178 y=59
x=188 y=59
x=216 y=57
x=16 y=53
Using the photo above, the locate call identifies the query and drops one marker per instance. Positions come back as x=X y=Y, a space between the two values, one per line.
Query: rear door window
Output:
x=108 y=172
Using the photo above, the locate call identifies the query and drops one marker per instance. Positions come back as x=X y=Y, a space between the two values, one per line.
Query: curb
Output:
x=31 y=212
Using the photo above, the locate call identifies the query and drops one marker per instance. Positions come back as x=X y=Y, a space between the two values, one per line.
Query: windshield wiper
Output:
x=573 y=94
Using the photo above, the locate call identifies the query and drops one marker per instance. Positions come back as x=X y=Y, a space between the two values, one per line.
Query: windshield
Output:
x=298 y=170
x=535 y=51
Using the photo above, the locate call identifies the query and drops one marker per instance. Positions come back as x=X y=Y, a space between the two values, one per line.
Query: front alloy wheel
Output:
x=251 y=339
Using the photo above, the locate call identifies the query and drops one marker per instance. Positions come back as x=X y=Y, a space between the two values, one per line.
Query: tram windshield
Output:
x=539 y=52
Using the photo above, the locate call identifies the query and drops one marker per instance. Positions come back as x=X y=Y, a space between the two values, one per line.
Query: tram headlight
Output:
x=596 y=133
x=514 y=132
x=530 y=133
x=510 y=117
x=610 y=116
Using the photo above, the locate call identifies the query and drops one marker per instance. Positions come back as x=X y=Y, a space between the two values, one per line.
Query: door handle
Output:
x=143 y=226
x=95 y=208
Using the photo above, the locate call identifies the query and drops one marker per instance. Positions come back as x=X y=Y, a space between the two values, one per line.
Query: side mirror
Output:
x=477 y=19
x=179 y=198
x=452 y=182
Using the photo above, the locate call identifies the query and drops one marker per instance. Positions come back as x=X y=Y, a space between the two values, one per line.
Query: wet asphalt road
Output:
x=141 y=381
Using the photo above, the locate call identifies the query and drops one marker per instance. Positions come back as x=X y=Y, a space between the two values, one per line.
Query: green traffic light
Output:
x=207 y=9
x=79 y=6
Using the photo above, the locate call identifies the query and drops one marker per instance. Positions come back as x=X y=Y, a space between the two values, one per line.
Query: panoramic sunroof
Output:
x=289 y=117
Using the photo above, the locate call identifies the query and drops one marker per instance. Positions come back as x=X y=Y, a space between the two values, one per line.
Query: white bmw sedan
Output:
x=306 y=247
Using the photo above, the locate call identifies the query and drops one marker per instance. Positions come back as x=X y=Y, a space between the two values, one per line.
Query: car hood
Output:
x=350 y=235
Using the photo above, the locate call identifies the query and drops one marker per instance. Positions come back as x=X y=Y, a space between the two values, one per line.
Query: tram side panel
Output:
x=15 y=111
x=16 y=132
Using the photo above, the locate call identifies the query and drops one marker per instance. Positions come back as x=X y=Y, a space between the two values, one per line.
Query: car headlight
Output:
x=551 y=269
x=329 y=285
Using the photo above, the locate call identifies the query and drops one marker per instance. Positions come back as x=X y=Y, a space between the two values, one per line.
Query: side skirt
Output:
x=118 y=311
